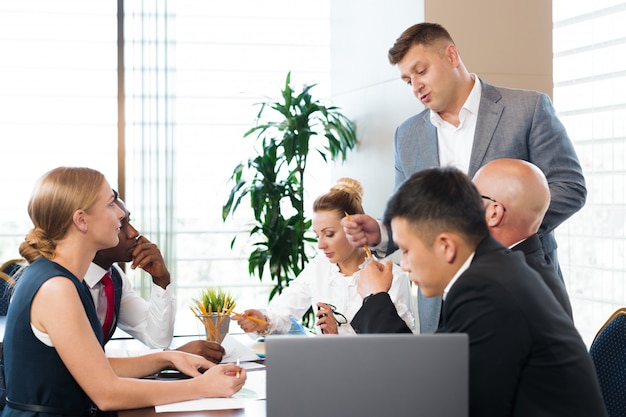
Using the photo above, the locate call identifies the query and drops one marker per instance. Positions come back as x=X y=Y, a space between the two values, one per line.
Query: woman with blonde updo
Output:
x=53 y=344
x=329 y=282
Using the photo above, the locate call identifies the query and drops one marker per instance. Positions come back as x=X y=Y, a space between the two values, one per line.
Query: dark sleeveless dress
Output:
x=37 y=381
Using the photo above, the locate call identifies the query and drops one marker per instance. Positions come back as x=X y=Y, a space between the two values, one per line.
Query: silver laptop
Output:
x=367 y=375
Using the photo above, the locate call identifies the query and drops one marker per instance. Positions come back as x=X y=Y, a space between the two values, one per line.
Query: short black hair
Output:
x=437 y=200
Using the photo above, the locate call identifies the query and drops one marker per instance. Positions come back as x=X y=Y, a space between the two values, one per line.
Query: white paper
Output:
x=253 y=389
x=201 y=404
x=252 y=366
x=235 y=349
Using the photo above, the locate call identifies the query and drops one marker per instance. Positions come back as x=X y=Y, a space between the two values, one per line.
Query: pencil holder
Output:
x=215 y=326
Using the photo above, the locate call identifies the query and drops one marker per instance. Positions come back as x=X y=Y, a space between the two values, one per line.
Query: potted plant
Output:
x=287 y=130
x=213 y=309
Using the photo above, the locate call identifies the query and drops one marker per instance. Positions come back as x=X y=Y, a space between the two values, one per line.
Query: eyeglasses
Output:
x=493 y=200
x=339 y=318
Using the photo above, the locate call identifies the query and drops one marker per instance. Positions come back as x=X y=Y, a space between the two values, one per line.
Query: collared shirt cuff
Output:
x=384 y=240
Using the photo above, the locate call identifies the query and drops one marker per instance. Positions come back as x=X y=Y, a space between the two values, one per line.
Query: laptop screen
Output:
x=367 y=375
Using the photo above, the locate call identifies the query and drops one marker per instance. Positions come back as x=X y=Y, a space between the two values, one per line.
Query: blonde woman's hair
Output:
x=346 y=196
x=55 y=198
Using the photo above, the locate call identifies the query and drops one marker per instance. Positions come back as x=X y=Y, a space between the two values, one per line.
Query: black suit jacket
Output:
x=526 y=357
x=536 y=258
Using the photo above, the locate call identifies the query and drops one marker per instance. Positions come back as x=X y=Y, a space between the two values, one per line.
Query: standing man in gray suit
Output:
x=467 y=123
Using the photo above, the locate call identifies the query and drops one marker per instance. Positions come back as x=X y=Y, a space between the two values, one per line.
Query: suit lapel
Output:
x=429 y=154
x=489 y=113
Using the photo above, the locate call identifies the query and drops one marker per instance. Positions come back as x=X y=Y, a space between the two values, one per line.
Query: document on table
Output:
x=235 y=349
x=254 y=389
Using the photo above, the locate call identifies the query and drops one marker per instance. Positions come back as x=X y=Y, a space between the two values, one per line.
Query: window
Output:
x=589 y=94
x=58 y=99
x=193 y=71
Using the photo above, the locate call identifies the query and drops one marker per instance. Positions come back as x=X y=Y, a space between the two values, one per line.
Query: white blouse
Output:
x=321 y=281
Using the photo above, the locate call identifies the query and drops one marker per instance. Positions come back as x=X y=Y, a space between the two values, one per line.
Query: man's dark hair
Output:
x=438 y=200
x=427 y=34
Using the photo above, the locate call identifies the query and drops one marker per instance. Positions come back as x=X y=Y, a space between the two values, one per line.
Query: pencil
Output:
x=367 y=249
x=238 y=370
x=254 y=319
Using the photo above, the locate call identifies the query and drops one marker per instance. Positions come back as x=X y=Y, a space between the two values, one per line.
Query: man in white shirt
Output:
x=466 y=123
x=151 y=322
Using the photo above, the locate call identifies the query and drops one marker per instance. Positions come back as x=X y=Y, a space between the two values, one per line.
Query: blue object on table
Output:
x=296 y=327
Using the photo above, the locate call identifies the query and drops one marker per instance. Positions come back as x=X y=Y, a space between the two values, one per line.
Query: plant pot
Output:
x=215 y=326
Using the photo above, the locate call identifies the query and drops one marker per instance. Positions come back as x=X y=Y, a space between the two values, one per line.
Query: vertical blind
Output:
x=150 y=158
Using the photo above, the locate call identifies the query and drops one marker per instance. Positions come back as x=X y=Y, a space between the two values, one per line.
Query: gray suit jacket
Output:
x=511 y=123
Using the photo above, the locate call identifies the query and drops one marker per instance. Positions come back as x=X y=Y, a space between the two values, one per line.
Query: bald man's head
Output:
x=521 y=195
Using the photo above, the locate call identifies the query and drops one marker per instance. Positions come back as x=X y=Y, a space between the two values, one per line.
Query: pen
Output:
x=238 y=370
x=367 y=249
x=254 y=319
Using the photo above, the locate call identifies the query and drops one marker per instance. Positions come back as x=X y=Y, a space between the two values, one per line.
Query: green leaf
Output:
x=214 y=300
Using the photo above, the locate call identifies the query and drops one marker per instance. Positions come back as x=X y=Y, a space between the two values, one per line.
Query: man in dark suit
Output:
x=467 y=123
x=517 y=196
x=526 y=357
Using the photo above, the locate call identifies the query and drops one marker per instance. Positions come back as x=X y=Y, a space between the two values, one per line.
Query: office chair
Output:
x=7 y=272
x=608 y=352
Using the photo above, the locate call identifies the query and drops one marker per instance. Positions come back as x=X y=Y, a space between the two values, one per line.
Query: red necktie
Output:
x=109 y=292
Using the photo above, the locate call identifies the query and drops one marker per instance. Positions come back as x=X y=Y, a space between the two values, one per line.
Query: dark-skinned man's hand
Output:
x=210 y=350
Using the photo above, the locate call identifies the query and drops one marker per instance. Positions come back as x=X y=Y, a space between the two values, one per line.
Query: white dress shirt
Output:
x=150 y=322
x=455 y=142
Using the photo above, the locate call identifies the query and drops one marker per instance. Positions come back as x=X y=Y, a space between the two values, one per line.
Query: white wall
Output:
x=369 y=90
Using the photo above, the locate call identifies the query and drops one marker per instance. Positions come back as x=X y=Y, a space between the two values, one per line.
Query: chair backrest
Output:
x=608 y=351
x=7 y=272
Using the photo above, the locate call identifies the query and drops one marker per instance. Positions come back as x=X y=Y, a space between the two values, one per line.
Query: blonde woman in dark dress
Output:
x=54 y=359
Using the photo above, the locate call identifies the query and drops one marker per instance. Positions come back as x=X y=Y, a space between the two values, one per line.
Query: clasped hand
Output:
x=375 y=277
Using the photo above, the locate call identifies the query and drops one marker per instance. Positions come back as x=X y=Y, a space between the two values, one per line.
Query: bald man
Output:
x=517 y=196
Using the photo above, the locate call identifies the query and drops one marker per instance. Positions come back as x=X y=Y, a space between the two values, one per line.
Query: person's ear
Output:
x=494 y=214
x=80 y=221
x=446 y=246
x=452 y=55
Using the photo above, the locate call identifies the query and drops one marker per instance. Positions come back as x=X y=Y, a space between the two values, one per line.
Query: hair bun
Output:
x=350 y=186
x=36 y=244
